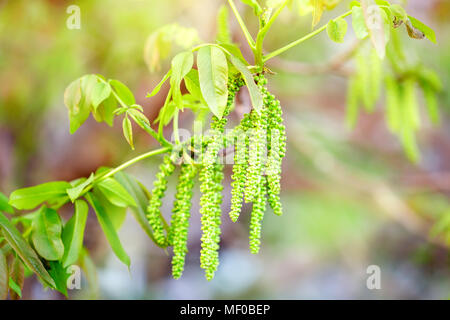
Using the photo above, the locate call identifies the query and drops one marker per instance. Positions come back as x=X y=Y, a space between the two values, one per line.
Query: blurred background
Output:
x=351 y=197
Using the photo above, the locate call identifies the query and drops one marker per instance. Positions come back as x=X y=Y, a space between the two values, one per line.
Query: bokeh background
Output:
x=351 y=198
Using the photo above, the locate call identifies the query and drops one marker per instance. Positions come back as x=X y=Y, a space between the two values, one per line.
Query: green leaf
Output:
x=15 y=288
x=105 y=111
x=128 y=131
x=123 y=92
x=255 y=94
x=4 y=276
x=115 y=213
x=100 y=92
x=159 y=85
x=29 y=198
x=213 y=76
x=358 y=23
x=73 y=233
x=139 y=196
x=233 y=49
x=337 y=29
x=429 y=33
x=192 y=83
x=4 y=205
x=139 y=118
x=17 y=275
x=23 y=249
x=255 y=5
x=398 y=12
x=75 y=192
x=60 y=276
x=46 y=235
x=378 y=24
x=115 y=193
x=78 y=110
x=181 y=64
x=109 y=230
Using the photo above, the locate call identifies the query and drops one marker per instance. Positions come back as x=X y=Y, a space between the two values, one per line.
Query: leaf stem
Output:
x=161 y=119
x=247 y=34
x=259 y=60
x=175 y=127
x=297 y=42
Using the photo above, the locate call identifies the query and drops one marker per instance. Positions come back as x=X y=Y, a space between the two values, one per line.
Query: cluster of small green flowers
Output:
x=211 y=177
x=153 y=209
x=180 y=218
x=257 y=148
x=276 y=145
x=240 y=167
x=259 y=207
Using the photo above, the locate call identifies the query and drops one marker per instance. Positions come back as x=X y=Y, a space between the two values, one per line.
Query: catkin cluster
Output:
x=260 y=145
x=154 y=207
x=180 y=218
x=258 y=156
x=211 y=177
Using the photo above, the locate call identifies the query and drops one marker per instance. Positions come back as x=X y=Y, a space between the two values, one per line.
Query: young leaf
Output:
x=105 y=111
x=78 y=110
x=159 y=85
x=23 y=249
x=90 y=272
x=358 y=23
x=255 y=5
x=16 y=289
x=139 y=118
x=4 y=276
x=115 y=193
x=181 y=64
x=123 y=92
x=213 y=76
x=109 y=230
x=378 y=25
x=128 y=131
x=29 y=198
x=76 y=191
x=337 y=29
x=192 y=83
x=17 y=275
x=73 y=233
x=46 y=235
x=430 y=96
x=140 y=210
x=116 y=214
x=255 y=93
x=160 y=43
x=429 y=33
x=4 y=205
x=60 y=276
x=100 y=92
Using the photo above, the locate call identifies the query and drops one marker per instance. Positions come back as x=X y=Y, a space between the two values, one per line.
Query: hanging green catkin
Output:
x=276 y=146
x=239 y=168
x=259 y=207
x=153 y=210
x=257 y=147
x=211 y=188
x=180 y=218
